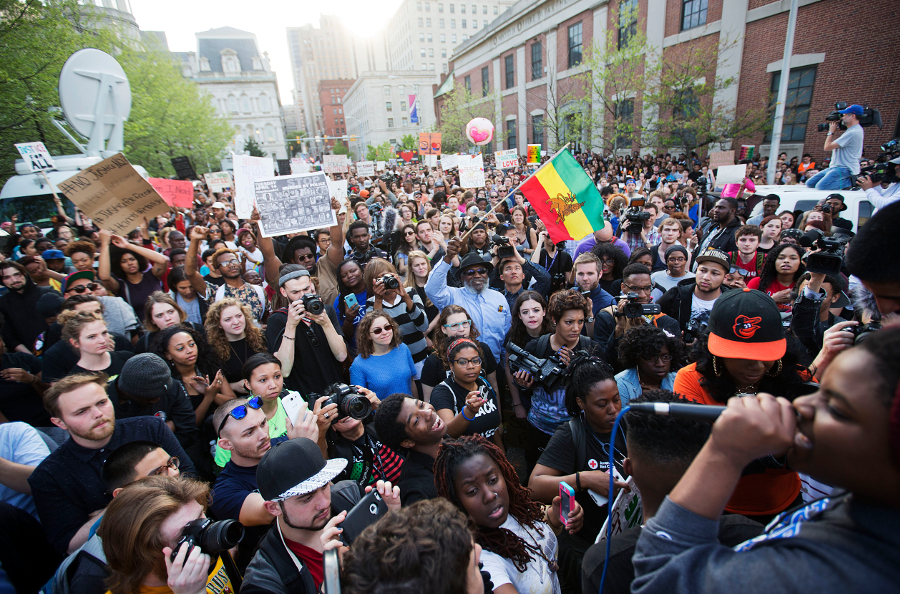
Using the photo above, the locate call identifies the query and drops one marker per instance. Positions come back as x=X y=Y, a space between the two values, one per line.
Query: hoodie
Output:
x=22 y=321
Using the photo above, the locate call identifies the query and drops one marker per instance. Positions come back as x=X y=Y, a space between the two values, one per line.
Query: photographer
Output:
x=866 y=259
x=817 y=295
x=641 y=233
x=846 y=151
x=879 y=195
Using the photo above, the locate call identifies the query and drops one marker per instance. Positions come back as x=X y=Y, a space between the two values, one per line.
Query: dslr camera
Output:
x=546 y=372
x=313 y=303
x=880 y=172
x=504 y=248
x=633 y=309
x=350 y=401
x=830 y=257
x=863 y=331
x=212 y=537
x=692 y=331
x=390 y=282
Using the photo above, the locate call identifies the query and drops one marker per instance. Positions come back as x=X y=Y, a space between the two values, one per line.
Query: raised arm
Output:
x=160 y=261
x=335 y=251
x=271 y=262
x=103 y=268
x=198 y=234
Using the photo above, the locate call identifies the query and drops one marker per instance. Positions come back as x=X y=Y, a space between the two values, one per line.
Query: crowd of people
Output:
x=197 y=407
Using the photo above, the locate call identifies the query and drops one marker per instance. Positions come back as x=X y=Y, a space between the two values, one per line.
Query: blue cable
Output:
x=610 y=498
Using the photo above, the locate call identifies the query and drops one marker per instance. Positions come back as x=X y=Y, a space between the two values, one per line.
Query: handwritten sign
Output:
x=448 y=161
x=471 y=171
x=36 y=156
x=175 y=192
x=627 y=511
x=219 y=181
x=114 y=195
x=293 y=203
x=184 y=169
x=507 y=159
x=365 y=168
x=721 y=159
x=335 y=164
x=379 y=165
x=246 y=170
x=299 y=166
x=337 y=188
x=731 y=174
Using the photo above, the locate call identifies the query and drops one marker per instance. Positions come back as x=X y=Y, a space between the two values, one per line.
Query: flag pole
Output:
x=512 y=192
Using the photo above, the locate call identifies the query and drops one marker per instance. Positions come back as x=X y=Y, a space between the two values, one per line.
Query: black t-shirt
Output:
x=20 y=401
x=368 y=460
x=560 y=455
x=240 y=351
x=315 y=368
x=233 y=485
x=117 y=361
x=450 y=395
x=433 y=371
x=61 y=358
x=431 y=311
x=556 y=267
x=215 y=280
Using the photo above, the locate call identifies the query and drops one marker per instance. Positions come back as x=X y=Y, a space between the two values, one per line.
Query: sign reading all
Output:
x=36 y=156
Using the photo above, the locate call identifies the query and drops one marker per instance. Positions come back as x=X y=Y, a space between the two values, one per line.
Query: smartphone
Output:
x=365 y=513
x=351 y=301
x=566 y=502
x=296 y=407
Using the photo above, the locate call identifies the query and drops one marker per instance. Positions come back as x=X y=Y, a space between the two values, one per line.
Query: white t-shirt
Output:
x=700 y=309
x=537 y=577
x=850 y=151
x=662 y=278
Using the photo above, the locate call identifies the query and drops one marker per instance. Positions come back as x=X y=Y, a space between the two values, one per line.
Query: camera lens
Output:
x=356 y=407
x=221 y=536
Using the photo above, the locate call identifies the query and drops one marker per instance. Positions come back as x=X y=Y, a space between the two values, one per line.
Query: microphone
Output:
x=695 y=412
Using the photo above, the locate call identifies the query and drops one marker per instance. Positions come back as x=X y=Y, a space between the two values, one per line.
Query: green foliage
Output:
x=409 y=142
x=295 y=146
x=382 y=152
x=252 y=148
x=461 y=107
x=340 y=149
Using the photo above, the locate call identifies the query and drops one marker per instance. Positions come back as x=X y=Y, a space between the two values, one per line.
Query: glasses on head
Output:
x=475 y=361
x=474 y=271
x=174 y=463
x=82 y=288
x=645 y=289
x=239 y=412
x=458 y=325
x=663 y=358
x=377 y=331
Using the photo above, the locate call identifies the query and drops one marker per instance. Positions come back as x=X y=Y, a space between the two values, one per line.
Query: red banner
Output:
x=175 y=192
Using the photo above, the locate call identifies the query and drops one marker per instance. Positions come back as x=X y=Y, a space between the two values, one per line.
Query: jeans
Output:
x=833 y=178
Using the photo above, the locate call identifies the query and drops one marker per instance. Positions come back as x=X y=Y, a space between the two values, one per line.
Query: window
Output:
x=628 y=13
x=574 y=45
x=387 y=90
x=465 y=37
x=419 y=6
x=485 y=82
x=693 y=13
x=430 y=38
x=421 y=22
x=428 y=22
x=232 y=104
x=390 y=122
x=510 y=134
x=440 y=8
x=403 y=106
x=464 y=23
x=468 y=82
x=245 y=104
x=441 y=25
x=443 y=37
x=428 y=7
x=431 y=66
x=484 y=9
x=484 y=23
x=537 y=130
x=462 y=9
x=452 y=8
x=270 y=132
x=424 y=66
x=625 y=114
x=474 y=24
x=403 y=122
x=422 y=52
x=453 y=23
x=443 y=52
x=393 y=141
x=686 y=108
x=421 y=37
x=387 y=105
x=453 y=38
x=510 y=73
x=474 y=9
x=495 y=10
x=537 y=64
x=796 y=105
x=431 y=52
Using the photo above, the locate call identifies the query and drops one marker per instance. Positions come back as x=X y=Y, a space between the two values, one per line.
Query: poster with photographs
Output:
x=293 y=203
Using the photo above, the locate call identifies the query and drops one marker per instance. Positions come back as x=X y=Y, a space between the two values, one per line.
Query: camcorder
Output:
x=390 y=282
x=869 y=117
x=635 y=216
x=632 y=309
x=504 y=248
x=212 y=537
x=350 y=401
x=313 y=303
x=546 y=372
x=830 y=257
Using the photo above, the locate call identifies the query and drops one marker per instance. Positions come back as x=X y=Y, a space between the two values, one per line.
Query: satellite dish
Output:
x=96 y=99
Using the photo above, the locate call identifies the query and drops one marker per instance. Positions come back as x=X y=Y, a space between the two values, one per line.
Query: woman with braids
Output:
x=517 y=534
x=612 y=262
x=350 y=281
x=578 y=453
x=779 y=275
x=649 y=356
x=529 y=322
x=453 y=324
x=233 y=338
x=745 y=353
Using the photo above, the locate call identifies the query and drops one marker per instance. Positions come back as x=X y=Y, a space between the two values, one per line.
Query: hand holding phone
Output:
x=566 y=502
x=296 y=407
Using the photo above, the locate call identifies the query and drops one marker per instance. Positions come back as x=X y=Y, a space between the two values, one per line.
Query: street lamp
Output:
x=421 y=121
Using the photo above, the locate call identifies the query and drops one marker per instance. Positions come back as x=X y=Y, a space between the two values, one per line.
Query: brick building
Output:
x=331 y=98
x=529 y=60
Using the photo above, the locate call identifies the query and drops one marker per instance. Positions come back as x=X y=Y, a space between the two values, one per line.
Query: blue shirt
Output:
x=489 y=310
x=630 y=385
x=385 y=374
x=20 y=443
x=232 y=487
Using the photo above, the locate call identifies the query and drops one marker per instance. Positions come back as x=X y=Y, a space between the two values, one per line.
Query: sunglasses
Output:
x=239 y=412
x=408 y=233
x=174 y=463
x=474 y=271
x=82 y=288
x=377 y=331
x=740 y=271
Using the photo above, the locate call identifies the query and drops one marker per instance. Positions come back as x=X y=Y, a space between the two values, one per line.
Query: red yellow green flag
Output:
x=565 y=198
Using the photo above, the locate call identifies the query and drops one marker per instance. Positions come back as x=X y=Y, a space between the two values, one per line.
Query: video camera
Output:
x=350 y=401
x=313 y=303
x=546 y=372
x=633 y=309
x=504 y=249
x=869 y=117
x=634 y=216
x=831 y=255
x=211 y=537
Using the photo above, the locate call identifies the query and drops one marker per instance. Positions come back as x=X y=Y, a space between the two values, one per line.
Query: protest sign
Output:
x=429 y=143
x=176 y=192
x=506 y=159
x=534 y=154
x=293 y=203
x=337 y=188
x=219 y=181
x=431 y=160
x=731 y=174
x=299 y=166
x=335 y=164
x=627 y=511
x=114 y=195
x=392 y=162
x=379 y=165
x=448 y=161
x=246 y=170
x=471 y=171
x=721 y=159
x=36 y=156
x=365 y=168
x=184 y=169
x=747 y=151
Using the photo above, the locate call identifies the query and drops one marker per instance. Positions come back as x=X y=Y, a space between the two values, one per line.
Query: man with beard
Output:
x=488 y=308
x=67 y=487
x=693 y=298
x=588 y=271
x=295 y=484
x=720 y=234
x=19 y=307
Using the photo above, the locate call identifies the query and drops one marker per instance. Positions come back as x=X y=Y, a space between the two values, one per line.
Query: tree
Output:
x=409 y=142
x=382 y=152
x=340 y=149
x=252 y=148
x=295 y=144
x=461 y=107
x=563 y=116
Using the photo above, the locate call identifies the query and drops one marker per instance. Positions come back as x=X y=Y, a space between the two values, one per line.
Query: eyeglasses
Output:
x=474 y=271
x=228 y=263
x=678 y=259
x=174 y=463
x=239 y=412
x=663 y=358
x=458 y=325
x=645 y=289
x=82 y=288
x=377 y=331
x=475 y=361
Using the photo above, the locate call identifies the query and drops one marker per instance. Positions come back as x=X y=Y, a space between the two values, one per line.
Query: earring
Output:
x=716 y=367
x=778 y=369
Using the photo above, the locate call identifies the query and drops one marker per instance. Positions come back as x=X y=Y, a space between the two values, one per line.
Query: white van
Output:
x=798 y=199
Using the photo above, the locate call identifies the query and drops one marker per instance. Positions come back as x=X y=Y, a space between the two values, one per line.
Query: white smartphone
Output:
x=295 y=406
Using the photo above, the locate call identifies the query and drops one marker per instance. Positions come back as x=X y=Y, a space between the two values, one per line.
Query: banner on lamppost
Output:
x=413 y=109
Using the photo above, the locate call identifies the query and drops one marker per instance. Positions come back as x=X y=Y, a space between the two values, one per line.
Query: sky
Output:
x=268 y=19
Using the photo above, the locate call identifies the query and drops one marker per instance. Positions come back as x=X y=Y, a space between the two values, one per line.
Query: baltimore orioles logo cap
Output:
x=746 y=325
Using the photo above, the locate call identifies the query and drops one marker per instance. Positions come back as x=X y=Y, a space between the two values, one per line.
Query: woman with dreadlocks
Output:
x=517 y=534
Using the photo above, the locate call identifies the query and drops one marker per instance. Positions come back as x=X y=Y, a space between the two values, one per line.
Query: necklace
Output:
x=231 y=346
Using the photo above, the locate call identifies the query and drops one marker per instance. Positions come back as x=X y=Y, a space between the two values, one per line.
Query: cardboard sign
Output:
x=293 y=203
x=335 y=164
x=471 y=171
x=430 y=143
x=36 y=156
x=721 y=159
x=114 y=195
x=731 y=174
x=365 y=168
x=218 y=181
x=534 y=154
x=299 y=166
x=448 y=161
x=175 y=192
x=627 y=512
x=507 y=159
x=247 y=169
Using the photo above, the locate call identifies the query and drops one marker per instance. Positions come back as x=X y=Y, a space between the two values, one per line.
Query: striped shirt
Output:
x=413 y=325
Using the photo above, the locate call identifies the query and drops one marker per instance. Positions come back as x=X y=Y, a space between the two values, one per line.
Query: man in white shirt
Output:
x=846 y=152
x=881 y=196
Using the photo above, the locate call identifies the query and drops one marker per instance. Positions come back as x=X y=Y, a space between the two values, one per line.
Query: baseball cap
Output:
x=854 y=109
x=828 y=197
x=713 y=255
x=53 y=255
x=295 y=467
x=364 y=193
x=746 y=324
x=217 y=205
x=82 y=274
x=146 y=376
